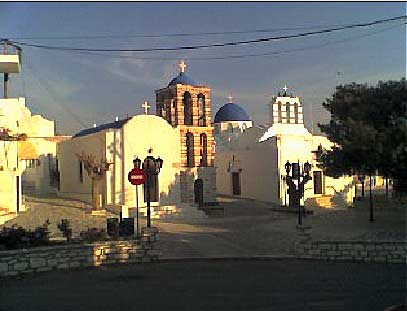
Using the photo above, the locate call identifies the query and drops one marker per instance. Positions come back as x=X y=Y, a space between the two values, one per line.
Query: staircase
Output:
x=158 y=212
x=6 y=215
x=324 y=201
x=180 y=211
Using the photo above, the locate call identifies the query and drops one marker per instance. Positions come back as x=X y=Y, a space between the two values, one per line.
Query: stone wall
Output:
x=366 y=251
x=39 y=259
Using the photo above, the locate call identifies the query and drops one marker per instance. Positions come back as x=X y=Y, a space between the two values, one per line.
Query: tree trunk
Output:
x=363 y=189
x=387 y=187
x=95 y=188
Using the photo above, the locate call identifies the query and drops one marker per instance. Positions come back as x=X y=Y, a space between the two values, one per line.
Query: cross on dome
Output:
x=182 y=65
x=285 y=88
x=230 y=97
x=145 y=106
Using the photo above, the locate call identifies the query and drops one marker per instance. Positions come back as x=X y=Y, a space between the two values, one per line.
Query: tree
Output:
x=96 y=170
x=369 y=128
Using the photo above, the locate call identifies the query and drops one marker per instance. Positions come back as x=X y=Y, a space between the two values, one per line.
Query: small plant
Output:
x=65 y=228
x=17 y=236
x=93 y=235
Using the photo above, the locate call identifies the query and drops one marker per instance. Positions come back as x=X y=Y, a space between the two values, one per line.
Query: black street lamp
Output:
x=151 y=167
x=361 y=179
x=296 y=192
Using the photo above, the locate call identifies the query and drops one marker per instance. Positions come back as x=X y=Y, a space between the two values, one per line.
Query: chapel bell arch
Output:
x=204 y=150
x=201 y=110
x=190 y=149
x=187 y=103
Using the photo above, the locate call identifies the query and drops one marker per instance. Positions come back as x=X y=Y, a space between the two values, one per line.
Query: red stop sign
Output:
x=136 y=176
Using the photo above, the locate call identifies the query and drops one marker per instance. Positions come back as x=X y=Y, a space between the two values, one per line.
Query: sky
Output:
x=78 y=89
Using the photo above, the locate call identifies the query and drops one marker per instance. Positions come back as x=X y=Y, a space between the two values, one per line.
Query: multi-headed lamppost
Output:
x=151 y=167
x=296 y=192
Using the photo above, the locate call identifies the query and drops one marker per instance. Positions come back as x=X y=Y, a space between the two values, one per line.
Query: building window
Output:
x=280 y=113
x=296 y=113
x=203 y=161
x=187 y=101
x=287 y=111
x=244 y=127
x=190 y=150
x=201 y=110
x=81 y=172
x=230 y=128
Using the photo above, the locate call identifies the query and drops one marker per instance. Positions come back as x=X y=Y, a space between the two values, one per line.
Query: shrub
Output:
x=18 y=237
x=93 y=235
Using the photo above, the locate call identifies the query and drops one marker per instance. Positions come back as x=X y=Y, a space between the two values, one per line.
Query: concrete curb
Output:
x=205 y=258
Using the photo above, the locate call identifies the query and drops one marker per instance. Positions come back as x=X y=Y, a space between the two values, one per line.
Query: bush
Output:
x=65 y=228
x=93 y=235
x=18 y=237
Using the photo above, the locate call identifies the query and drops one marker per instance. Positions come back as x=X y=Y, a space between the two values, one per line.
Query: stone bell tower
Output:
x=186 y=105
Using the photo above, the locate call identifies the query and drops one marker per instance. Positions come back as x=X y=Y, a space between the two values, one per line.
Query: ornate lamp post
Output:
x=297 y=192
x=361 y=179
x=151 y=167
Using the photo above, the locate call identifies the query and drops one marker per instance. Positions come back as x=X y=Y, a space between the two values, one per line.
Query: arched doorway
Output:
x=198 y=192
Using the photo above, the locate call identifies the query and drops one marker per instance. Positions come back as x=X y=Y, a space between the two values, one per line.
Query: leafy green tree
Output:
x=369 y=128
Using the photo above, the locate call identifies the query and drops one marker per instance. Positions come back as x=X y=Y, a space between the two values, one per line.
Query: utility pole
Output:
x=5 y=85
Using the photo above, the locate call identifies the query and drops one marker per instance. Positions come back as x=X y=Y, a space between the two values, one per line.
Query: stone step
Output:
x=4 y=217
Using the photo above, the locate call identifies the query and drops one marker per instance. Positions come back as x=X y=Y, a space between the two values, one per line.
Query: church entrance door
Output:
x=236 y=183
x=198 y=192
x=317 y=182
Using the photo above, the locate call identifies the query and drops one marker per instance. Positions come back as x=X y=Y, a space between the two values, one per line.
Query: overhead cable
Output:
x=213 y=45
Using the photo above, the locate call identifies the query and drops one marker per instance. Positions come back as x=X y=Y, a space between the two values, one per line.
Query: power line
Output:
x=241 y=56
x=167 y=35
x=213 y=45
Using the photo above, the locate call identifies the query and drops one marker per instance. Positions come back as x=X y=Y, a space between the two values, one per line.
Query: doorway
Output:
x=198 y=192
x=236 y=183
x=317 y=182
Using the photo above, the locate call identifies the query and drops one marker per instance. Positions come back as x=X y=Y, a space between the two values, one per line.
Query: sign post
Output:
x=137 y=177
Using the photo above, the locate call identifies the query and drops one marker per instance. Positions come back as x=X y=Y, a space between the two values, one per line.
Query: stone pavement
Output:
x=55 y=209
x=248 y=228
x=236 y=285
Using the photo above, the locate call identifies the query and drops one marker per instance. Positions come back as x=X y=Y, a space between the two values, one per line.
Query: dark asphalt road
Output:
x=278 y=284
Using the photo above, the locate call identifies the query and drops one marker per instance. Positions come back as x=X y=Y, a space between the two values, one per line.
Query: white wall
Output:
x=17 y=119
x=263 y=163
x=143 y=132
x=10 y=168
x=120 y=147
x=259 y=175
x=70 y=185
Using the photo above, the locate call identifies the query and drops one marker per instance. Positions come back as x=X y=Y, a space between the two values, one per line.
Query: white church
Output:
x=180 y=133
x=250 y=160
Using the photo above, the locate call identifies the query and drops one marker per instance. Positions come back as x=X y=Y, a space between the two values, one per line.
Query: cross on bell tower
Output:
x=285 y=90
x=182 y=65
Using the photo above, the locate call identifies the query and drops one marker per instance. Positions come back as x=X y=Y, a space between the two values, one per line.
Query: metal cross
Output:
x=182 y=65
x=230 y=97
x=285 y=88
x=146 y=106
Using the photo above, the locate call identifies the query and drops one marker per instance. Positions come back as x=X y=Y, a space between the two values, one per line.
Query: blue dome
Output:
x=231 y=112
x=182 y=78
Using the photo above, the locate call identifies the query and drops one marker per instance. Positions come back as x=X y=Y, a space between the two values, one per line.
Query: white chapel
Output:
x=252 y=165
x=180 y=133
